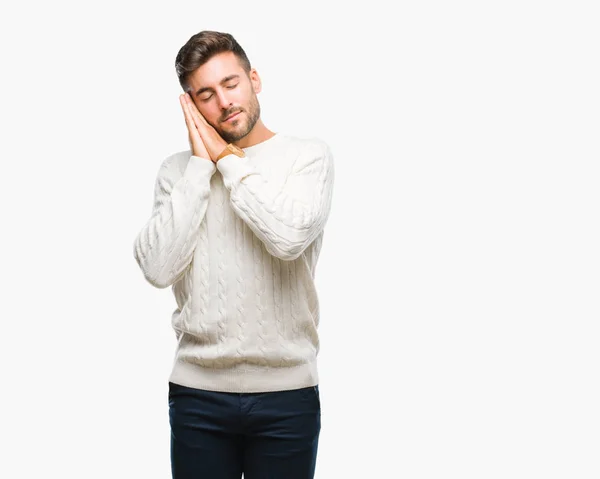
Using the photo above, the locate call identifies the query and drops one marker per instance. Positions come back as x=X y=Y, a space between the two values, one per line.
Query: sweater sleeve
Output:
x=165 y=245
x=289 y=218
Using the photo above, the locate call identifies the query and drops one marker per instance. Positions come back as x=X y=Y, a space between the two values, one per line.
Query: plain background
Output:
x=459 y=274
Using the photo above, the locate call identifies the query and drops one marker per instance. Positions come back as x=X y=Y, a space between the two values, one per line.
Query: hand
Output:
x=210 y=137
x=196 y=144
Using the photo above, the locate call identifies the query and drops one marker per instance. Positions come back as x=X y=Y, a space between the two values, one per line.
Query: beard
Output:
x=239 y=131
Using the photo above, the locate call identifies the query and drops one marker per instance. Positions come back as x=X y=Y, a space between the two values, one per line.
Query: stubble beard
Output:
x=237 y=133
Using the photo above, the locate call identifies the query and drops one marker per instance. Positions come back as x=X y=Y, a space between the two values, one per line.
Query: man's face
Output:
x=221 y=88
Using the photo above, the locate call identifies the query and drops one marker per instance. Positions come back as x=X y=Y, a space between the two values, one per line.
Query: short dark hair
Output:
x=201 y=47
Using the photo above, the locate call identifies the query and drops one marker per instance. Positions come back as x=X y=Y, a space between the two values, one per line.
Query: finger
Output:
x=197 y=121
x=194 y=109
x=189 y=120
x=198 y=126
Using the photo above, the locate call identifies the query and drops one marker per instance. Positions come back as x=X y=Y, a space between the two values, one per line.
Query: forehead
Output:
x=214 y=70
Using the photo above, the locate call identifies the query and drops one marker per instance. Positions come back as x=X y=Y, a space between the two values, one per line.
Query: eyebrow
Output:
x=224 y=80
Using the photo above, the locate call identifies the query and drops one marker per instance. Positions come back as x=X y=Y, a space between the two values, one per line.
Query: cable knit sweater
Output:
x=238 y=241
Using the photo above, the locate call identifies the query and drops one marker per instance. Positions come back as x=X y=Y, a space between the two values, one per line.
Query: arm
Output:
x=285 y=219
x=164 y=247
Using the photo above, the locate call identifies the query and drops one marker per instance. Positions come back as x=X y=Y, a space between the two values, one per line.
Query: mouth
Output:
x=232 y=117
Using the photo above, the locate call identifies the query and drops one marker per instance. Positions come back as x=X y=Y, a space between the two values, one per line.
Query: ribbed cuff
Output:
x=234 y=169
x=199 y=168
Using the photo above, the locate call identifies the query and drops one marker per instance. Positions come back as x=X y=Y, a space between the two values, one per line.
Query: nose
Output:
x=224 y=103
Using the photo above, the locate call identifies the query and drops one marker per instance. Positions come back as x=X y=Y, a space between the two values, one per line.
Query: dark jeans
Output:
x=219 y=435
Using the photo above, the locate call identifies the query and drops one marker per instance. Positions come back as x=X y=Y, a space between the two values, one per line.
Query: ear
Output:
x=255 y=80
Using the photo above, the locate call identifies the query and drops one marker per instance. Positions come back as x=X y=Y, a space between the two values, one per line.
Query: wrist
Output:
x=230 y=149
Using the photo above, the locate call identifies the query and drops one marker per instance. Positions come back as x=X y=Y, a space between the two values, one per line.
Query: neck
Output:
x=258 y=134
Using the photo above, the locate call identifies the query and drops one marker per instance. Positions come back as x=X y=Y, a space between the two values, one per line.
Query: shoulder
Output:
x=175 y=163
x=312 y=155
x=308 y=145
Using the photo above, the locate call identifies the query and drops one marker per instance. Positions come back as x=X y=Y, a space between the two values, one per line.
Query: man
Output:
x=236 y=230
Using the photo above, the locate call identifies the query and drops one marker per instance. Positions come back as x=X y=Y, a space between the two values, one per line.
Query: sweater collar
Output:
x=262 y=144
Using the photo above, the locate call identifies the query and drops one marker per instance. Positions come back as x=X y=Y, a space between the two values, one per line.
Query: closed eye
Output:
x=231 y=87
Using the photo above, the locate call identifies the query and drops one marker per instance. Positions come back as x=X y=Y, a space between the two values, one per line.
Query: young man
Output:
x=236 y=230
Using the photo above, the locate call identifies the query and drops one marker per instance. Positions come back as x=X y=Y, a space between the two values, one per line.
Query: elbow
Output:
x=157 y=281
x=292 y=246
x=161 y=271
x=153 y=277
x=151 y=274
x=291 y=249
x=288 y=254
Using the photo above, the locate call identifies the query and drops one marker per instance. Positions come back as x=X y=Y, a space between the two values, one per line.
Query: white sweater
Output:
x=239 y=242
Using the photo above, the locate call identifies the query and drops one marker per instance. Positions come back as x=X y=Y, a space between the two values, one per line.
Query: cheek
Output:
x=211 y=114
x=242 y=96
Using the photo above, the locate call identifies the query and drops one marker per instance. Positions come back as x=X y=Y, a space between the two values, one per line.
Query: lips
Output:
x=232 y=116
